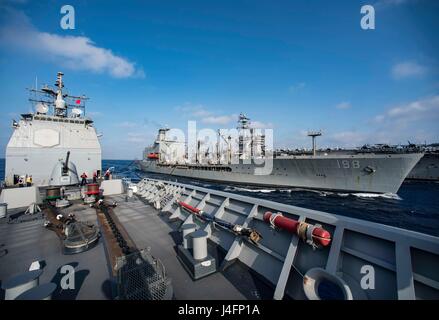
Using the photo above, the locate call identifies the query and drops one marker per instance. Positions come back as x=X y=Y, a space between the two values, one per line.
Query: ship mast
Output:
x=60 y=104
x=313 y=135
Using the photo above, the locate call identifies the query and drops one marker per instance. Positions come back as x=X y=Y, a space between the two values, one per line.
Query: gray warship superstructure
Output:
x=42 y=139
x=370 y=172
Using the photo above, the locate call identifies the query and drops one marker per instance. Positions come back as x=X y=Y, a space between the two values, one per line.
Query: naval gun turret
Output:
x=64 y=173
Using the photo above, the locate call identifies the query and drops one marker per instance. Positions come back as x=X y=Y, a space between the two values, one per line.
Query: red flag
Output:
x=78 y=101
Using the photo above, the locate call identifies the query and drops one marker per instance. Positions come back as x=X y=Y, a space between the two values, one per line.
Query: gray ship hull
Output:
x=426 y=169
x=348 y=173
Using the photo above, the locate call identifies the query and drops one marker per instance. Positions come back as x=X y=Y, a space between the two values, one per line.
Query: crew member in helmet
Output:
x=84 y=179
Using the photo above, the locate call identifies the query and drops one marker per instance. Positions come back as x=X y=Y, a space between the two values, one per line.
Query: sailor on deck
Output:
x=29 y=181
x=107 y=174
x=84 y=179
x=95 y=177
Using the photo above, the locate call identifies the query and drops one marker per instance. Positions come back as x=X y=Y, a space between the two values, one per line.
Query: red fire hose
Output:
x=189 y=207
x=314 y=235
x=252 y=234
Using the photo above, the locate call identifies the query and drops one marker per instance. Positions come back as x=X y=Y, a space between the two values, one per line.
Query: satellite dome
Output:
x=42 y=108
x=76 y=112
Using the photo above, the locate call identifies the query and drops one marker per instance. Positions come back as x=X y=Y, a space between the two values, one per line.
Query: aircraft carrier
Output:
x=353 y=171
x=428 y=167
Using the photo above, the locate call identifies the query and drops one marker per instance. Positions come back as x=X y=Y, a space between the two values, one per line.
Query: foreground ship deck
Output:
x=26 y=242
x=404 y=263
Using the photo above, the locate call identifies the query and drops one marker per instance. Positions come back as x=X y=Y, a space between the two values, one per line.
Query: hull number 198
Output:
x=346 y=164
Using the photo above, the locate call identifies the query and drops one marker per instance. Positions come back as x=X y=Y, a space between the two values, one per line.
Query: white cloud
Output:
x=208 y=117
x=127 y=124
x=204 y=115
x=413 y=111
x=408 y=69
x=296 y=87
x=219 y=119
x=344 y=105
x=74 y=52
x=189 y=109
x=379 y=118
x=261 y=125
x=414 y=121
x=348 y=138
x=201 y=113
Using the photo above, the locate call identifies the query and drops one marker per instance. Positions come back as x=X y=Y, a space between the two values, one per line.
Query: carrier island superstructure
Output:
x=57 y=132
x=349 y=172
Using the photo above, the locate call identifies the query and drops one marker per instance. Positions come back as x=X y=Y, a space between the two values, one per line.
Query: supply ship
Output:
x=353 y=171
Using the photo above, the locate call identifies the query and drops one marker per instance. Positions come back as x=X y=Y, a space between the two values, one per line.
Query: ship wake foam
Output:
x=392 y=196
x=249 y=190
x=364 y=195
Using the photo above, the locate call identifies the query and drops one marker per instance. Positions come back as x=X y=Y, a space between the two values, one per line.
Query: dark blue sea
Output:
x=415 y=207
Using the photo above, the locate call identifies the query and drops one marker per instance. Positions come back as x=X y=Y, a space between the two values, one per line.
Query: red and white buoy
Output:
x=311 y=234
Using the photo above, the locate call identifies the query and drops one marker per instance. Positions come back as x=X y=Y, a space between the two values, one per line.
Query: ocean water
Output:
x=415 y=207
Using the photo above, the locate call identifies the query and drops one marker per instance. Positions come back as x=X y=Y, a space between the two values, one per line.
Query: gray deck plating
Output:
x=147 y=228
x=29 y=241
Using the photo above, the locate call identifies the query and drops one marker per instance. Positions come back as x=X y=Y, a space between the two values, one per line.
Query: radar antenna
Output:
x=243 y=121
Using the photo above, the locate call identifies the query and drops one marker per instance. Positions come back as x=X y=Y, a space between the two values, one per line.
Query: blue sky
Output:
x=290 y=65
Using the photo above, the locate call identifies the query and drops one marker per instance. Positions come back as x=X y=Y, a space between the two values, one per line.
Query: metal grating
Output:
x=140 y=276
